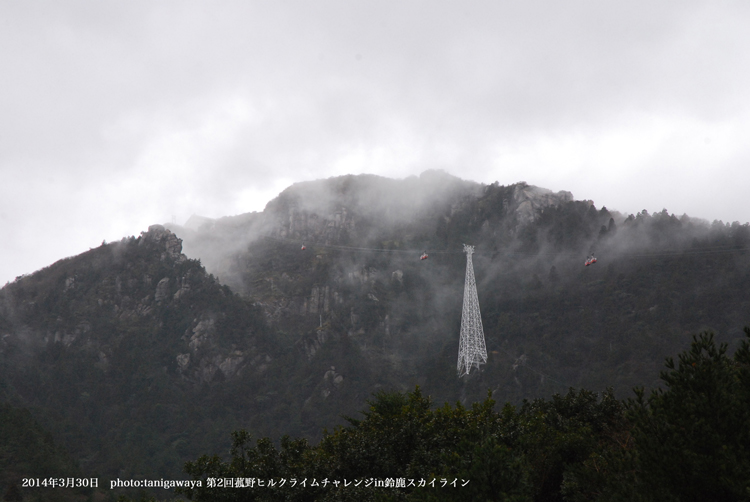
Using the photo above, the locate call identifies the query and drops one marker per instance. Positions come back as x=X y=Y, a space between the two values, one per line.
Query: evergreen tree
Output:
x=693 y=439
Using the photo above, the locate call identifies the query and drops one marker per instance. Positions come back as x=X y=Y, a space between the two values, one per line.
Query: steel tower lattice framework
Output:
x=471 y=348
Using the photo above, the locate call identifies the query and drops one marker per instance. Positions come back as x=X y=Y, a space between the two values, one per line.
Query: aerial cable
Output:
x=655 y=254
x=701 y=251
x=472 y=349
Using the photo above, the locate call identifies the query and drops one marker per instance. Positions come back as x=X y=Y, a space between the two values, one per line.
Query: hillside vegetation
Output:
x=685 y=443
x=549 y=322
x=136 y=358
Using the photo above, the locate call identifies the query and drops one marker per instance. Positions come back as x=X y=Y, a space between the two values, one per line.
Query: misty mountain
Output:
x=549 y=321
x=138 y=358
x=127 y=334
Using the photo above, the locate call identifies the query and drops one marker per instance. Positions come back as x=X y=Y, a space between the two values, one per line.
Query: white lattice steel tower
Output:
x=471 y=348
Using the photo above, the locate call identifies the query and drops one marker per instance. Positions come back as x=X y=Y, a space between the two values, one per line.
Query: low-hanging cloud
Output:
x=116 y=116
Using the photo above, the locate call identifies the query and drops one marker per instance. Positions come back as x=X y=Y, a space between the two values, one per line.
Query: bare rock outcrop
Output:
x=529 y=199
x=172 y=245
x=162 y=290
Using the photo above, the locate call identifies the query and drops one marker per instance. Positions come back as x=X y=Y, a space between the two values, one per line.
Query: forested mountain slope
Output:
x=137 y=359
x=549 y=321
x=131 y=354
x=27 y=451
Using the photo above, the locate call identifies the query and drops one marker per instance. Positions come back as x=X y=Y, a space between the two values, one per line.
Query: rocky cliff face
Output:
x=132 y=282
x=360 y=279
x=359 y=211
x=335 y=287
x=128 y=327
x=530 y=200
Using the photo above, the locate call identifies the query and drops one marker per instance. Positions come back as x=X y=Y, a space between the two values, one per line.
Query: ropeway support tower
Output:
x=472 y=350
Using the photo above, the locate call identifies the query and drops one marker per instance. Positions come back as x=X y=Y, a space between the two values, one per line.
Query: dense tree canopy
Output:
x=687 y=441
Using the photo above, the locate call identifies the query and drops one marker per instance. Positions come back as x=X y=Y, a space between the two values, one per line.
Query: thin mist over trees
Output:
x=136 y=358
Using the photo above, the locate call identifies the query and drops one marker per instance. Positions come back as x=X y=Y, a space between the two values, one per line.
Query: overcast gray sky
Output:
x=115 y=115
